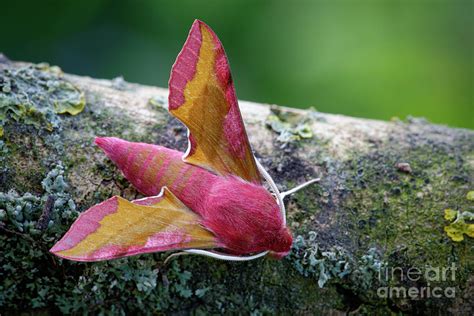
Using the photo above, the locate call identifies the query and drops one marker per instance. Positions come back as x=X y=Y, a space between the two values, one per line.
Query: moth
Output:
x=211 y=200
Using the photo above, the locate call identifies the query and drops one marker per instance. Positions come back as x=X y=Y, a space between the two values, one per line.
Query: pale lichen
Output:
x=290 y=127
x=335 y=264
x=35 y=95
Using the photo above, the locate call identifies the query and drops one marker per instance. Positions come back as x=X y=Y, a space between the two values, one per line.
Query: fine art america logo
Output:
x=412 y=275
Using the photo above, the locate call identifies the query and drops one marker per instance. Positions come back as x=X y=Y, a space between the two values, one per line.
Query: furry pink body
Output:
x=244 y=217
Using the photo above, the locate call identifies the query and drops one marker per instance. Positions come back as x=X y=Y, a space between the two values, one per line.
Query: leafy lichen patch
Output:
x=289 y=126
x=29 y=225
x=357 y=276
x=35 y=95
x=460 y=224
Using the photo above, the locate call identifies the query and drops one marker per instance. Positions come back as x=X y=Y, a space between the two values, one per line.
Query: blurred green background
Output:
x=375 y=59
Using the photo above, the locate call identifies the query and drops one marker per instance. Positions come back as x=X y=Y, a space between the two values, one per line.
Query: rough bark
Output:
x=380 y=203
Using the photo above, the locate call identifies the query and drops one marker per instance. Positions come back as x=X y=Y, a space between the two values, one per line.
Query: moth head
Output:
x=282 y=245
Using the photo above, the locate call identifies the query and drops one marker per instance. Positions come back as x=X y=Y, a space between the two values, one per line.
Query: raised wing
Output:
x=202 y=96
x=117 y=228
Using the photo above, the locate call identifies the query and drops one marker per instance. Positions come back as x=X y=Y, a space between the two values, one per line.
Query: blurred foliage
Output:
x=377 y=59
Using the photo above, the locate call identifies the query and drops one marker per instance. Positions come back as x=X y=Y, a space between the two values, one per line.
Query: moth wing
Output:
x=118 y=228
x=202 y=96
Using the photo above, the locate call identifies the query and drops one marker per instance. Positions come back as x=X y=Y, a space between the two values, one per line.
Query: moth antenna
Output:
x=274 y=187
x=299 y=187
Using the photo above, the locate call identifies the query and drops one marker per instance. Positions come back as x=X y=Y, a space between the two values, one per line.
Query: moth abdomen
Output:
x=151 y=167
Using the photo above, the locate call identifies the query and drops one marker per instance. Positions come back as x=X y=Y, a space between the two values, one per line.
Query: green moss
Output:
x=304 y=206
x=35 y=94
x=20 y=174
x=403 y=209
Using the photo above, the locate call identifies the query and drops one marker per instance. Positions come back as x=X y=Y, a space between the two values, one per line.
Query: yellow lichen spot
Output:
x=73 y=106
x=470 y=230
x=470 y=195
x=450 y=214
x=458 y=227
x=453 y=233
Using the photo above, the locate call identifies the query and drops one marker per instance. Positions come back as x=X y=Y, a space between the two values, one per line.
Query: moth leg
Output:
x=174 y=255
x=215 y=255
x=299 y=187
